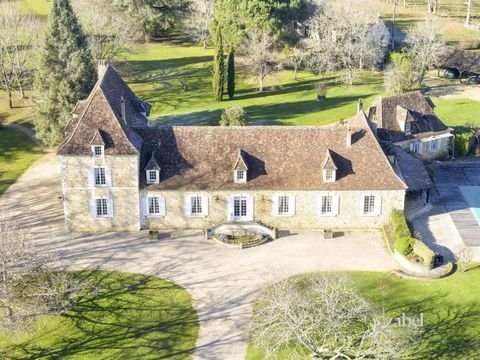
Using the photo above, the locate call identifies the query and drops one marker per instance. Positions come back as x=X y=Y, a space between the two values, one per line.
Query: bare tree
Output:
x=110 y=31
x=425 y=47
x=399 y=76
x=341 y=39
x=326 y=316
x=18 y=32
x=298 y=56
x=259 y=55
x=31 y=283
x=200 y=17
x=469 y=12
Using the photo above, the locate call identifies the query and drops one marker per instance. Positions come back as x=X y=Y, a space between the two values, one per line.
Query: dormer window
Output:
x=97 y=150
x=408 y=128
x=153 y=176
x=329 y=175
x=240 y=176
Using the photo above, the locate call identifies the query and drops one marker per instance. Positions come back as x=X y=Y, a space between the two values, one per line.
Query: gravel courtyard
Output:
x=224 y=282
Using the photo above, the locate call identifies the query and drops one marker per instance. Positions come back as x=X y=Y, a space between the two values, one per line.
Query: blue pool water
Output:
x=471 y=195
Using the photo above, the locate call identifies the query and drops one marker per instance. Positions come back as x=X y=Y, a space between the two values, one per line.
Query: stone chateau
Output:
x=120 y=174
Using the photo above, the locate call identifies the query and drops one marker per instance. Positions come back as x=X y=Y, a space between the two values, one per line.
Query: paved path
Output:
x=224 y=282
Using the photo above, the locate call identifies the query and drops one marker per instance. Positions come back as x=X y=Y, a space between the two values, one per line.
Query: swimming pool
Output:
x=471 y=194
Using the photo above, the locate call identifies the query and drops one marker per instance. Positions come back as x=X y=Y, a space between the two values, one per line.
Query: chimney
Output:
x=349 y=136
x=359 y=105
x=101 y=67
x=122 y=109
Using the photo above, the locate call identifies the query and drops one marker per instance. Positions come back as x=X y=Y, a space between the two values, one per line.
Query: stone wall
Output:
x=441 y=153
x=306 y=210
x=78 y=190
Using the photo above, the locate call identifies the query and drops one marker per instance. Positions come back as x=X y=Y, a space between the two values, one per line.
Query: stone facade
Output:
x=306 y=214
x=78 y=192
x=422 y=149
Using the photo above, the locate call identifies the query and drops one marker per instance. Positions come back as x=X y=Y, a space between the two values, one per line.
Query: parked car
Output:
x=473 y=80
x=451 y=74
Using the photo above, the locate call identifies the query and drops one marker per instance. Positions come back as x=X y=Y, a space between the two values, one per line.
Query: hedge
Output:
x=424 y=252
x=464 y=143
x=404 y=245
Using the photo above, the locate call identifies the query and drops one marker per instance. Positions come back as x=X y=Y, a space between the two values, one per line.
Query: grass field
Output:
x=17 y=153
x=450 y=308
x=176 y=80
x=458 y=112
x=131 y=317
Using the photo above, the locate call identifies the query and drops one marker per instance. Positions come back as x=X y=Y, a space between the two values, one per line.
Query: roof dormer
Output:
x=329 y=168
x=98 y=144
x=152 y=170
x=240 y=169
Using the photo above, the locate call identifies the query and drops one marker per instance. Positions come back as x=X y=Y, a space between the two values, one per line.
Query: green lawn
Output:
x=450 y=308
x=17 y=153
x=37 y=7
x=176 y=80
x=457 y=112
x=131 y=317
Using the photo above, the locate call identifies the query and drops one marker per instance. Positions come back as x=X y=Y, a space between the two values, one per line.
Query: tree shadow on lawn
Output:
x=142 y=66
x=129 y=317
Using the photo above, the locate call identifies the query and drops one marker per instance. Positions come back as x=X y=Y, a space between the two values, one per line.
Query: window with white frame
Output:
x=153 y=176
x=408 y=128
x=368 y=204
x=101 y=207
x=154 y=205
x=283 y=205
x=100 y=177
x=326 y=205
x=240 y=176
x=415 y=147
x=328 y=175
x=97 y=150
x=433 y=145
x=196 y=207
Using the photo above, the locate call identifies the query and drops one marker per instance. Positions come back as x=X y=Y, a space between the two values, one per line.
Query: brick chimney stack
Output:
x=349 y=136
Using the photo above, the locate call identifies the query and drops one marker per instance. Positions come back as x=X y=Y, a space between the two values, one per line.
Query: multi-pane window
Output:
x=368 y=204
x=153 y=205
x=240 y=175
x=283 y=205
x=408 y=128
x=97 y=150
x=433 y=145
x=329 y=175
x=100 y=178
x=326 y=204
x=240 y=207
x=196 y=205
x=152 y=176
x=101 y=207
x=415 y=147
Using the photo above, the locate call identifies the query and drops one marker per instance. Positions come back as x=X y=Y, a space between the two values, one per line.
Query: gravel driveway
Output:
x=224 y=282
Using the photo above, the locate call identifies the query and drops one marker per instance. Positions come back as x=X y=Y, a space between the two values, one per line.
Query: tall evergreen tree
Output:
x=66 y=73
x=231 y=73
x=218 y=67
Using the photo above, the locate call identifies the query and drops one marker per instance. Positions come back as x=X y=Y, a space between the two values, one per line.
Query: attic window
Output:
x=408 y=128
x=329 y=175
x=240 y=176
x=153 y=176
x=97 y=150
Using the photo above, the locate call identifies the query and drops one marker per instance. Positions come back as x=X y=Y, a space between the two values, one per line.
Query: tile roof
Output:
x=102 y=112
x=412 y=171
x=241 y=163
x=414 y=107
x=462 y=60
x=328 y=162
x=278 y=157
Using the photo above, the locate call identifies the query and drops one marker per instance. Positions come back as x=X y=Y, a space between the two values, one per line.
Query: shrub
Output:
x=233 y=116
x=464 y=143
x=404 y=245
x=424 y=252
x=399 y=224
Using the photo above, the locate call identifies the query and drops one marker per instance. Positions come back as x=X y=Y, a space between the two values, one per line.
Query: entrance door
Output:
x=240 y=210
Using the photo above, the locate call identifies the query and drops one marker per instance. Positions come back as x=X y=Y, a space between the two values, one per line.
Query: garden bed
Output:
x=241 y=239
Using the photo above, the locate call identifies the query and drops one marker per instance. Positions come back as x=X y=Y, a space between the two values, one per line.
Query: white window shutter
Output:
x=163 y=209
x=93 y=208
x=250 y=208
x=318 y=204
x=335 y=204
x=291 y=205
x=230 y=208
x=360 y=204
x=188 y=206
x=204 y=205
x=91 y=177
x=275 y=205
x=420 y=147
x=110 y=207
x=145 y=205
x=108 y=177
x=378 y=205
